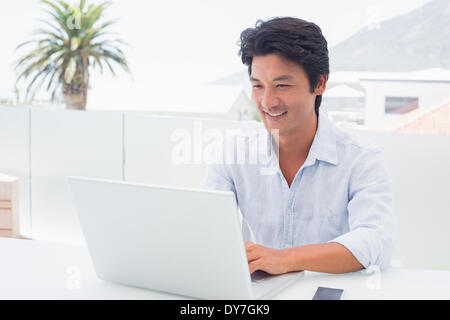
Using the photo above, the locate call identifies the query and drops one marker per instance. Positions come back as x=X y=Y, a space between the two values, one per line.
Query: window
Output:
x=400 y=105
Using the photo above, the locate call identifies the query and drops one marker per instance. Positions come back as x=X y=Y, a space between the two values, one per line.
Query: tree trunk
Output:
x=75 y=92
x=75 y=101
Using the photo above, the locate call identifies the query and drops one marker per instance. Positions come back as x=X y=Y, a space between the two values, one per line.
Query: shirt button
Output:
x=289 y=211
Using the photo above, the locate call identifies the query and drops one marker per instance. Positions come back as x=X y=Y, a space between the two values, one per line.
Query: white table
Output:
x=39 y=270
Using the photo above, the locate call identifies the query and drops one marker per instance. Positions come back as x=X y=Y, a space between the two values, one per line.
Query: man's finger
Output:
x=254 y=266
x=252 y=251
x=252 y=255
x=248 y=244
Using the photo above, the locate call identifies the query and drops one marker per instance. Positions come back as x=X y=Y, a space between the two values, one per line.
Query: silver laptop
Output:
x=182 y=241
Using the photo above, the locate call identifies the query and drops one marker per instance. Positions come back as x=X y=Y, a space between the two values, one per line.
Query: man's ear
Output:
x=321 y=86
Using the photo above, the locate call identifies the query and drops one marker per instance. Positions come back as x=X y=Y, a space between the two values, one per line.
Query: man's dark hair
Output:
x=294 y=39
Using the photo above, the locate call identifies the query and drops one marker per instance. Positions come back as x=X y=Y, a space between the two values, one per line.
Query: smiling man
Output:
x=327 y=207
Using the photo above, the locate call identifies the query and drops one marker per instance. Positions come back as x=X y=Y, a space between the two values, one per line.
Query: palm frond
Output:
x=72 y=39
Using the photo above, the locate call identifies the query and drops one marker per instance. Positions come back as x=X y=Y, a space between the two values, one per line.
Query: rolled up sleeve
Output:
x=370 y=213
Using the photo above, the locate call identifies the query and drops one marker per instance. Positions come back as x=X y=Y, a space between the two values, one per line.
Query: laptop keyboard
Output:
x=259 y=275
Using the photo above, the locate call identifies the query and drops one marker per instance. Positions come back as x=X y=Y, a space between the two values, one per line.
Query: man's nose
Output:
x=269 y=99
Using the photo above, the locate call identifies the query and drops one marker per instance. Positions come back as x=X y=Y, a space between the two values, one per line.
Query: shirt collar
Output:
x=323 y=147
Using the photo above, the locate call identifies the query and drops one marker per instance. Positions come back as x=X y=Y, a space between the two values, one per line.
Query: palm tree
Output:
x=73 y=41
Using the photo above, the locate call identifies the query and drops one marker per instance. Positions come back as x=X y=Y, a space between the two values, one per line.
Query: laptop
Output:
x=182 y=241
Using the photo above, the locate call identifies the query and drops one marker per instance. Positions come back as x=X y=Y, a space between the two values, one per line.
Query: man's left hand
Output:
x=272 y=261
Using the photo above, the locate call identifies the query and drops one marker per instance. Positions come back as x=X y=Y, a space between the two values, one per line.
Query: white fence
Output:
x=63 y=144
x=42 y=147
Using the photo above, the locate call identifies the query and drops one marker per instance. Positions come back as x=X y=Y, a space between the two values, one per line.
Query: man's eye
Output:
x=283 y=85
x=257 y=86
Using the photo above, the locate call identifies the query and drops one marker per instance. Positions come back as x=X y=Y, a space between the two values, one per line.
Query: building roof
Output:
x=342 y=91
x=430 y=120
x=426 y=75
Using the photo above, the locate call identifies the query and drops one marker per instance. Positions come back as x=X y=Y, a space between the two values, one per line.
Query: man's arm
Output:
x=329 y=257
x=368 y=242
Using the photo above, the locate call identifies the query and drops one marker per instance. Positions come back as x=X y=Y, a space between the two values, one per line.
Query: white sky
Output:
x=177 y=44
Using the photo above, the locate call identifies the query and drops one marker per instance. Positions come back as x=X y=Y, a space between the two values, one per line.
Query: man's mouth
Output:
x=274 y=116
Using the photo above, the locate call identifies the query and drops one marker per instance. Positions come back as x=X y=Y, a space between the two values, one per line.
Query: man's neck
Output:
x=297 y=143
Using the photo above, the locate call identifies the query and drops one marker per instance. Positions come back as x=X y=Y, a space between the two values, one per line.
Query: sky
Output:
x=174 y=45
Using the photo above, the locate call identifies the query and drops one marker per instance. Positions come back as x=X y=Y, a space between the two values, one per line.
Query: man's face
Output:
x=281 y=92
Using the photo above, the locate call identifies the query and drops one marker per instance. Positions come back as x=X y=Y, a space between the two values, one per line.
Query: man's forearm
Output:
x=329 y=257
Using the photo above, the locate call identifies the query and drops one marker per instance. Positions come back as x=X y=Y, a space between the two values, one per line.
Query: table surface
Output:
x=40 y=270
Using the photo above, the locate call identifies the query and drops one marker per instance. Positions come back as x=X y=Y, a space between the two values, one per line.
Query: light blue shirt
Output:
x=340 y=194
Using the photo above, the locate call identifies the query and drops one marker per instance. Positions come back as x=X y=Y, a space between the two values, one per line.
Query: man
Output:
x=327 y=207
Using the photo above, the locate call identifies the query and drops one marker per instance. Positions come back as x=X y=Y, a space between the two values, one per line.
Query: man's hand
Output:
x=329 y=257
x=272 y=261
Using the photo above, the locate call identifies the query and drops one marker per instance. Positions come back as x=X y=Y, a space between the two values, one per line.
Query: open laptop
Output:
x=177 y=240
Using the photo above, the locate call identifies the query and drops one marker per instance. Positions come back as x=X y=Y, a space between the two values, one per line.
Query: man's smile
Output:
x=274 y=116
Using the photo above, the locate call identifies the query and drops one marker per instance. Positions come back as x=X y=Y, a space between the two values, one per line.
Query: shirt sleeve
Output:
x=218 y=174
x=370 y=213
x=218 y=178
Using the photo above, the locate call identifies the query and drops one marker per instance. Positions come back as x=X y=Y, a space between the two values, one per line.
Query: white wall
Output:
x=14 y=156
x=170 y=150
x=419 y=166
x=140 y=148
x=428 y=93
x=64 y=143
